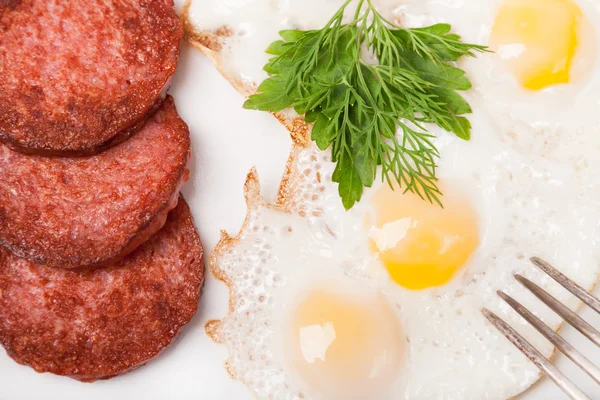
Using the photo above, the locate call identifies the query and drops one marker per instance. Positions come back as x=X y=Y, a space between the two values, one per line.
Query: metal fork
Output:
x=572 y=318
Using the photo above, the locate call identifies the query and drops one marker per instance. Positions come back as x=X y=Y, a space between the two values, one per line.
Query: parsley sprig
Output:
x=357 y=106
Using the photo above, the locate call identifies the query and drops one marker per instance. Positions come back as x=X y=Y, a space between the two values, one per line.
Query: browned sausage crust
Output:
x=106 y=322
x=92 y=211
x=81 y=75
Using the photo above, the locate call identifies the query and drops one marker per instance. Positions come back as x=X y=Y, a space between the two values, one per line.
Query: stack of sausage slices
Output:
x=100 y=262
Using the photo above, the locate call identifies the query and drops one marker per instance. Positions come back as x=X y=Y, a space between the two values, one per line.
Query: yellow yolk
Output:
x=345 y=345
x=421 y=244
x=539 y=38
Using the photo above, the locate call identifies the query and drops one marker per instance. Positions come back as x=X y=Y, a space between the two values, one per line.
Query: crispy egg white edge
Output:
x=254 y=202
x=209 y=44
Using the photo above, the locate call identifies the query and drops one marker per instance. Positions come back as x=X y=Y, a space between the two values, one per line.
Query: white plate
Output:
x=227 y=142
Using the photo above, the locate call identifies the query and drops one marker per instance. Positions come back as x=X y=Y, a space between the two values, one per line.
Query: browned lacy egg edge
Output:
x=210 y=43
x=254 y=201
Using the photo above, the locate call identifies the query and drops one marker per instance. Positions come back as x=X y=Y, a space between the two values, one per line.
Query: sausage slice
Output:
x=92 y=211
x=98 y=324
x=79 y=76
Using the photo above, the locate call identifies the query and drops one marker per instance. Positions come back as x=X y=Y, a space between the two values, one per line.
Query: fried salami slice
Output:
x=102 y=323
x=92 y=211
x=79 y=76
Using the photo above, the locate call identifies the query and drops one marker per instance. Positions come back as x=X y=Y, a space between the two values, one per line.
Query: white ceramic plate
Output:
x=227 y=142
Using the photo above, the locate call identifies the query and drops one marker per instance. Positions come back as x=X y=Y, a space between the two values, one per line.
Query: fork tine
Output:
x=536 y=357
x=572 y=318
x=568 y=284
x=554 y=338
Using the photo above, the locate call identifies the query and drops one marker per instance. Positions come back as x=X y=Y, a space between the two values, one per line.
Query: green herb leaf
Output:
x=277 y=48
x=461 y=127
x=273 y=95
x=350 y=186
x=324 y=131
x=439 y=74
x=372 y=116
x=291 y=35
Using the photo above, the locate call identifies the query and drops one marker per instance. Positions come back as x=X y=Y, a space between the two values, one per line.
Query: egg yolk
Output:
x=539 y=38
x=345 y=345
x=422 y=244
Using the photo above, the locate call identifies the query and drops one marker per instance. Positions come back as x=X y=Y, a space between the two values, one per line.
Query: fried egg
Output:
x=539 y=84
x=383 y=301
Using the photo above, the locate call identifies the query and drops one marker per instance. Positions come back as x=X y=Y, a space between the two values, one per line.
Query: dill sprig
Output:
x=372 y=115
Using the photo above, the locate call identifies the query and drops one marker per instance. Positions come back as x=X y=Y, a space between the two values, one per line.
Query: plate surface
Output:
x=227 y=142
